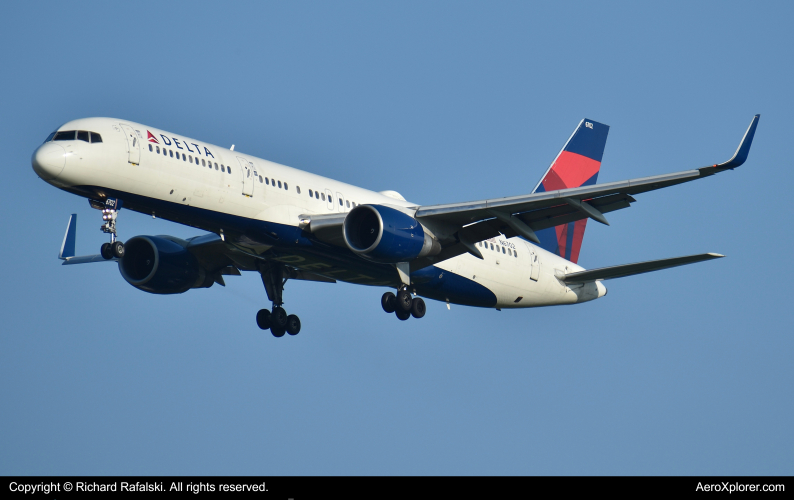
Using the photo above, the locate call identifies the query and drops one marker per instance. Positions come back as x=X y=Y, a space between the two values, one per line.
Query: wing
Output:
x=460 y=225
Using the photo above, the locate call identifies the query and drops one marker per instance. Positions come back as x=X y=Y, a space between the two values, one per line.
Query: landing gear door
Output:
x=248 y=176
x=133 y=144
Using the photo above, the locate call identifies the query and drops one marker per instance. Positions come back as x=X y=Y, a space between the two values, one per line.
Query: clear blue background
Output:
x=685 y=371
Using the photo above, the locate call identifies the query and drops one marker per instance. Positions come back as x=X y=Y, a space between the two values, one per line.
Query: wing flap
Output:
x=606 y=273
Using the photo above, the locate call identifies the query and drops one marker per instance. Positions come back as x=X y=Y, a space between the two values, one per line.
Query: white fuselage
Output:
x=243 y=186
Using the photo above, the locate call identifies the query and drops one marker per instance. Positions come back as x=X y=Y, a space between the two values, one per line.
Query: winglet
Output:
x=743 y=150
x=67 y=247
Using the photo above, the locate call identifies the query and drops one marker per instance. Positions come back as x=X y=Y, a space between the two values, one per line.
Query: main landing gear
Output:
x=114 y=249
x=277 y=319
x=403 y=305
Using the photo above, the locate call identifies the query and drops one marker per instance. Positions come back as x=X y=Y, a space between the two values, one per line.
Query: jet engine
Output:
x=155 y=264
x=383 y=234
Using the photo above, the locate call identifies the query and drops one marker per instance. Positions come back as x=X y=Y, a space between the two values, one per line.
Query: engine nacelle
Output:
x=383 y=234
x=157 y=265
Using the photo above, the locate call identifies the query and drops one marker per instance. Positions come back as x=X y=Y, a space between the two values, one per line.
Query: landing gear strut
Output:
x=109 y=214
x=403 y=305
x=277 y=320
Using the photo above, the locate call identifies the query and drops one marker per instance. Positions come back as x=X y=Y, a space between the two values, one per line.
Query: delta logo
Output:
x=173 y=141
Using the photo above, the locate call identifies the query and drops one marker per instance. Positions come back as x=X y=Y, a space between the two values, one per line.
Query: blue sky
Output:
x=684 y=371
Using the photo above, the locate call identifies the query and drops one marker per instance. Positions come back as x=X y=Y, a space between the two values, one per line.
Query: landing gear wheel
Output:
x=263 y=319
x=277 y=332
x=388 y=302
x=106 y=251
x=117 y=248
x=404 y=301
x=278 y=319
x=418 y=308
x=402 y=315
x=293 y=324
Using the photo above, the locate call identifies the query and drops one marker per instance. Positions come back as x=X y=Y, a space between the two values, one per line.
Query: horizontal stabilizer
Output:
x=606 y=273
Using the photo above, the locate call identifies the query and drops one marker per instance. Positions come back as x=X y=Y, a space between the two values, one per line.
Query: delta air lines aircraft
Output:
x=284 y=223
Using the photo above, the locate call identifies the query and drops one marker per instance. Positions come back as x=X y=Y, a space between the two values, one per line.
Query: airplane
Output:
x=287 y=224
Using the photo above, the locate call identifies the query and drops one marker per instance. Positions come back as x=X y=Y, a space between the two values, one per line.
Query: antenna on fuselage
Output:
x=231 y=148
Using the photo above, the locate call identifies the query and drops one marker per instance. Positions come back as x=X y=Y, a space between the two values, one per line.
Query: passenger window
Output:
x=286 y=187
x=197 y=160
x=183 y=157
x=191 y=158
x=82 y=135
x=66 y=135
x=330 y=198
x=267 y=181
x=158 y=150
x=216 y=168
x=491 y=246
x=216 y=164
x=298 y=189
x=503 y=250
x=170 y=153
x=515 y=254
x=150 y=147
x=261 y=180
x=323 y=195
x=340 y=203
x=95 y=137
x=203 y=164
x=279 y=184
x=311 y=194
x=165 y=152
x=228 y=170
x=348 y=204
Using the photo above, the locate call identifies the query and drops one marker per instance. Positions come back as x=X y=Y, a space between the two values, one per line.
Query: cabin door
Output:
x=133 y=145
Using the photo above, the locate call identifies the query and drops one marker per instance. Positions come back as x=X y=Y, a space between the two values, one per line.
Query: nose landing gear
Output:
x=277 y=320
x=114 y=249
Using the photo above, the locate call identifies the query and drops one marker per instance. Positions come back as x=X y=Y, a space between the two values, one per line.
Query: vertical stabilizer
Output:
x=577 y=164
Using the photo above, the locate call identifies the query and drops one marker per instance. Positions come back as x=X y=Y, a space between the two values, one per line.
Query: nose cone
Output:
x=48 y=161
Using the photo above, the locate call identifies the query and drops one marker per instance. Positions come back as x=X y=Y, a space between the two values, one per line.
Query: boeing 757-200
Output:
x=284 y=223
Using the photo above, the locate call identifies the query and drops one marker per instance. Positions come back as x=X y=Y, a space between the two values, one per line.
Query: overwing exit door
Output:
x=248 y=176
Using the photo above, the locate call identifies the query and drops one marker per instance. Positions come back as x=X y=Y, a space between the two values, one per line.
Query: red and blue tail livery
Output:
x=576 y=165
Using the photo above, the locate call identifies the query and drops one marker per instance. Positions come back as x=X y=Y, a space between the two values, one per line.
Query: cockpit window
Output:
x=70 y=135
x=65 y=135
